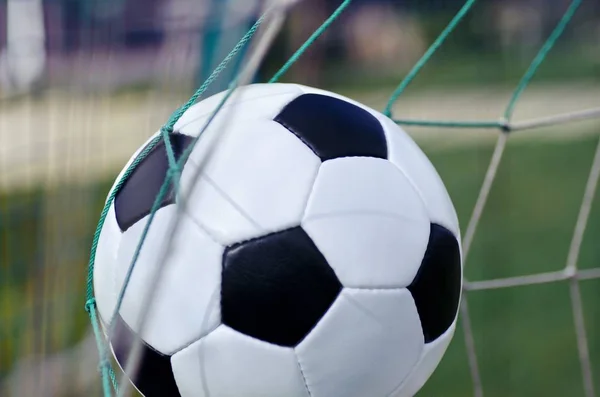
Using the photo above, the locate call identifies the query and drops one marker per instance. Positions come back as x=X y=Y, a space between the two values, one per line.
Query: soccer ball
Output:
x=317 y=254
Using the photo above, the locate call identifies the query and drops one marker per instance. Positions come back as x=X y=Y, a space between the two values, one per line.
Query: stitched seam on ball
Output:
x=309 y=195
x=366 y=212
x=302 y=374
x=227 y=105
x=376 y=289
x=414 y=186
x=381 y=118
x=202 y=228
x=210 y=331
x=251 y=239
x=303 y=221
x=398 y=387
x=322 y=215
x=283 y=124
x=290 y=129
x=230 y=200
x=241 y=211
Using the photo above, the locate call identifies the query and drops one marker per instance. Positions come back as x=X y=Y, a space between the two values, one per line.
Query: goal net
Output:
x=517 y=148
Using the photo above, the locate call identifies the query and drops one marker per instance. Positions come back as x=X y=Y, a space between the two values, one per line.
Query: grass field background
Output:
x=54 y=186
x=524 y=336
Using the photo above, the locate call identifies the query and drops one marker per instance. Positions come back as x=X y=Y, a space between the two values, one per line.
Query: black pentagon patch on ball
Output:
x=334 y=128
x=136 y=196
x=276 y=287
x=436 y=287
x=154 y=377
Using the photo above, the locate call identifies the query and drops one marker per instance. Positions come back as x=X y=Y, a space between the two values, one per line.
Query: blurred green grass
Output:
x=45 y=239
x=525 y=337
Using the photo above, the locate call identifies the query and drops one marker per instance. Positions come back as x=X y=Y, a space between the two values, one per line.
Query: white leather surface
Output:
x=229 y=364
x=407 y=155
x=106 y=252
x=255 y=102
x=430 y=358
x=214 y=211
x=365 y=345
x=188 y=289
x=256 y=181
x=369 y=223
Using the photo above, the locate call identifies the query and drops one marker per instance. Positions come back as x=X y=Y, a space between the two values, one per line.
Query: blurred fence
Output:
x=114 y=70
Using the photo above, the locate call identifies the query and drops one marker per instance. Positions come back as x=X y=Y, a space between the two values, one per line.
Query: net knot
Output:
x=173 y=172
x=570 y=272
x=89 y=304
x=504 y=125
